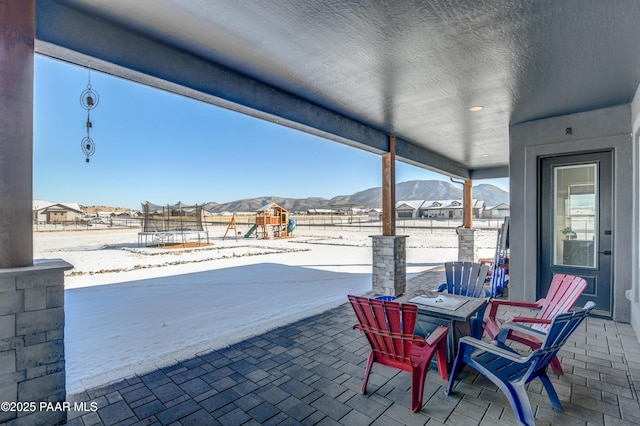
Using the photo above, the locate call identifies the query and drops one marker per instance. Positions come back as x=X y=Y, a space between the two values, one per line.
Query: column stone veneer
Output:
x=467 y=248
x=32 y=366
x=32 y=340
x=389 y=265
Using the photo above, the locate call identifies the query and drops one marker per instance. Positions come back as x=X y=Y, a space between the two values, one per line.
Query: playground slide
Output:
x=291 y=226
x=250 y=231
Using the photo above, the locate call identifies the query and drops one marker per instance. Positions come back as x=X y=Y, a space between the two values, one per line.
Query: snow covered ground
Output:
x=132 y=309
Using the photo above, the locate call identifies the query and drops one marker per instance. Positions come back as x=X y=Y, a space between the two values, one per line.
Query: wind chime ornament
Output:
x=89 y=99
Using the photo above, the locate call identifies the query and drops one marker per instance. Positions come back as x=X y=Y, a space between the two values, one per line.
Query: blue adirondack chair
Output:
x=467 y=279
x=499 y=266
x=499 y=278
x=511 y=371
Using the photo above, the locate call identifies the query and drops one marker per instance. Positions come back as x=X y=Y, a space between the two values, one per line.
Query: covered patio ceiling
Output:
x=357 y=71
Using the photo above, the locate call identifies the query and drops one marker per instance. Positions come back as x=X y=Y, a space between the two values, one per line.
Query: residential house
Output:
x=408 y=209
x=48 y=212
x=449 y=209
x=497 y=212
x=321 y=212
x=374 y=213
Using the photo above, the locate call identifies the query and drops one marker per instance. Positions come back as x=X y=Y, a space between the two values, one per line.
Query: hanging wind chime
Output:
x=89 y=99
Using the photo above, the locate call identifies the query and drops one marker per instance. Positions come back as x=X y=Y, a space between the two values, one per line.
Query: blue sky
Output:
x=163 y=148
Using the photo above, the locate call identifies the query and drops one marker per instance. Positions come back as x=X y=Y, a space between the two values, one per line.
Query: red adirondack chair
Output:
x=562 y=295
x=389 y=327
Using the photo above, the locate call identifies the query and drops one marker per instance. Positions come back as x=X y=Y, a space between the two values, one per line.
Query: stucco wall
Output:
x=596 y=130
x=634 y=294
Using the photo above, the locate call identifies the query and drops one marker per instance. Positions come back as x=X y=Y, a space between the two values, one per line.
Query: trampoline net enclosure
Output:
x=171 y=218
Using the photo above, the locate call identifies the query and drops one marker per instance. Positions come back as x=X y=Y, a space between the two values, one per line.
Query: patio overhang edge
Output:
x=489 y=173
x=71 y=36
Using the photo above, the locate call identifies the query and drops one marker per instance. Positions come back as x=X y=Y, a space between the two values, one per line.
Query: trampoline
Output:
x=168 y=224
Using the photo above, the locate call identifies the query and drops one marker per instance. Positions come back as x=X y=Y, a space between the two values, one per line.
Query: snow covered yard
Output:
x=132 y=309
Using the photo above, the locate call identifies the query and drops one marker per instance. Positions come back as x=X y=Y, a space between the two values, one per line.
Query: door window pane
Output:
x=575 y=215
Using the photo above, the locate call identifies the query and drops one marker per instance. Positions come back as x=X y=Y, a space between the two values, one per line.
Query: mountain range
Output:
x=369 y=198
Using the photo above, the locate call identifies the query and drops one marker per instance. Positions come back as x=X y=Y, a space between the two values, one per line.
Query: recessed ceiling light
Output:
x=476 y=108
x=484 y=155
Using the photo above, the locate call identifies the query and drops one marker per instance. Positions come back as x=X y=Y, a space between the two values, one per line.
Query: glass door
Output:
x=575 y=224
x=575 y=215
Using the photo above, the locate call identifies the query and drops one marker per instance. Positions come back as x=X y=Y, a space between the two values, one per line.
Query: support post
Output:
x=467 y=249
x=389 y=189
x=389 y=250
x=17 y=35
x=467 y=204
x=32 y=366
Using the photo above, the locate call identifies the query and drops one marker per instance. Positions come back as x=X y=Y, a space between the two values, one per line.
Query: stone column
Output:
x=389 y=265
x=467 y=249
x=32 y=340
x=32 y=365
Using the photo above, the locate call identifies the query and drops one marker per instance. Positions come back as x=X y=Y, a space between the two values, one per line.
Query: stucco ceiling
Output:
x=354 y=71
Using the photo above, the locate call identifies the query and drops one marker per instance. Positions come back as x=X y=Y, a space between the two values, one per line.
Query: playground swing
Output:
x=232 y=225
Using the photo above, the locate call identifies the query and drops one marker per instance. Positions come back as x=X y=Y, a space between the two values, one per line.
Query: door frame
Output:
x=599 y=130
x=547 y=164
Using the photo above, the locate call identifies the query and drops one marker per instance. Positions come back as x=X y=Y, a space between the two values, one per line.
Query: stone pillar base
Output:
x=389 y=265
x=467 y=249
x=32 y=340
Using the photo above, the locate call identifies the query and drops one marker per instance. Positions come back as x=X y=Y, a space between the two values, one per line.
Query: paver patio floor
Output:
x=310 y=373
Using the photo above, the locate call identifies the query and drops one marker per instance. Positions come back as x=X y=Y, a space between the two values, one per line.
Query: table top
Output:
x=466 y=310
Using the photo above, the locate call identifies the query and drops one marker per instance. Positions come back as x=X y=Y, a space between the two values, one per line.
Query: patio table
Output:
x=451 y=310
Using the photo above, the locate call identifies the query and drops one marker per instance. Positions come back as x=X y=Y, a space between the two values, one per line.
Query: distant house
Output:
x=449 y=209
x=326 y=212
x=47 y=212
x=497 y=212
x=442 y=209
x=408 y=209
x=374 y=213
x=131 y=213
x=478 y=208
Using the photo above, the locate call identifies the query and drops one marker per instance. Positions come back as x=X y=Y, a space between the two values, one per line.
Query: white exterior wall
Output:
x=41 y=216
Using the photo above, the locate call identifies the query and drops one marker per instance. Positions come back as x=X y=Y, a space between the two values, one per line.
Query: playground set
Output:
x=272 y=222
